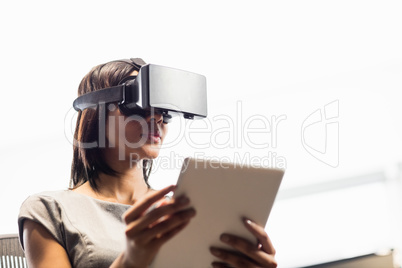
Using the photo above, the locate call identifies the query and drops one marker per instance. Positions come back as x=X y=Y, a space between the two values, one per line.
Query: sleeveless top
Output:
x=90 y=230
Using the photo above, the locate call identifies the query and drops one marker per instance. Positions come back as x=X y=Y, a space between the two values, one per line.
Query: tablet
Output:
x=222 y=194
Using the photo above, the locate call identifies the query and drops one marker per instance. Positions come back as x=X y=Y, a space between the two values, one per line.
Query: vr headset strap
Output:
x=111 y=94
x=107 y=95
x=138 y=62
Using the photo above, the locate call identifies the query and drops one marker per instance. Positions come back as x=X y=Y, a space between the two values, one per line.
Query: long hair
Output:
x=88 y=161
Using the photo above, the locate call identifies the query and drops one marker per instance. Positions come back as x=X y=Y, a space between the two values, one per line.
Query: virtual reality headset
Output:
x=156 y=89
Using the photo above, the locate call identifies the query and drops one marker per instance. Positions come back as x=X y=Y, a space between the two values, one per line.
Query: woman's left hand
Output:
x=246 y=254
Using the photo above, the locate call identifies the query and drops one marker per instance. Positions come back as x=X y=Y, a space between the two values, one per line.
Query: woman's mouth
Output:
x=154 y=137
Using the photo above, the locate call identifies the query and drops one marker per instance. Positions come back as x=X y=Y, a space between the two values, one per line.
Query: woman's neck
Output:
x=124 y=188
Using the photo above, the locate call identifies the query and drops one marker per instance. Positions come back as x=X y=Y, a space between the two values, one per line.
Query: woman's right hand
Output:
x=147 y=232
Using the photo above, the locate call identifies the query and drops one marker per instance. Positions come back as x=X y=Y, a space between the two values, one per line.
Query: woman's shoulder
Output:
x=56 y=202
x=48 y=204
x=45 y=209
x=49 y=197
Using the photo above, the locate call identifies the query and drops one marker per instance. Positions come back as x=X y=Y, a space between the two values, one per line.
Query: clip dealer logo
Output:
x=320 y=134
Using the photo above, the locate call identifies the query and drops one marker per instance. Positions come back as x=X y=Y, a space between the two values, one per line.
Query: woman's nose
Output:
x=156 y=117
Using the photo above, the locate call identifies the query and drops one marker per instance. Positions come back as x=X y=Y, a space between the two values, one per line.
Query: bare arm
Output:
x=41 y=249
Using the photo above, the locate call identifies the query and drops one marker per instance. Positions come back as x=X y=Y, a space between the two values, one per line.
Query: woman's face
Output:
x=134 y=137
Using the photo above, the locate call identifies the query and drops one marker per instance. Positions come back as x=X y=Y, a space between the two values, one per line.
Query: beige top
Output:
x=90 y=230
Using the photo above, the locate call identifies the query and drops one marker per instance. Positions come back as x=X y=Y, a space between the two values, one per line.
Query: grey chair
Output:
x=11 y=253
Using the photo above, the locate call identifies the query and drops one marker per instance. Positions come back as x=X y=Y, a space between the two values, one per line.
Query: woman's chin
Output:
x=152 y=152
x=149 y=151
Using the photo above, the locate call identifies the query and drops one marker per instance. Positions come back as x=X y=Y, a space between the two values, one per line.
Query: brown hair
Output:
x=88 y=162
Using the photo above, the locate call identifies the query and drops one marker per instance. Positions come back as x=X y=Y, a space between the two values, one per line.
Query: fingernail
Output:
x=190 y=212
x=216 y=252
x=247 y=221
x=225 y=238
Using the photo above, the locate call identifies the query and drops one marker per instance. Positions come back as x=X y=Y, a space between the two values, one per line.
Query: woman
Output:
x=111 y=217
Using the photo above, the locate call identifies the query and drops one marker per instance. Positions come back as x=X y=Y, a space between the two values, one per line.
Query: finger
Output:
x=232 y=258
x=157 y=241
x=168 y=235
x=259 y=232
x=251 y=250
x=156 y=215
x=141 y=206
x=166 y=226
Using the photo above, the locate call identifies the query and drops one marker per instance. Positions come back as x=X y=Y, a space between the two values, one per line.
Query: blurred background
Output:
x=310 y=86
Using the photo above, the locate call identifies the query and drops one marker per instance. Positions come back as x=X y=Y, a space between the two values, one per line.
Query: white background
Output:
x=261 y=59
